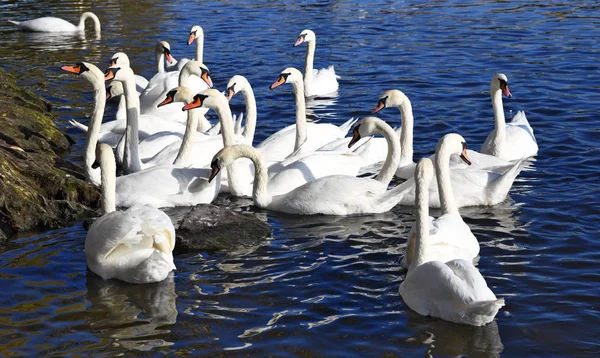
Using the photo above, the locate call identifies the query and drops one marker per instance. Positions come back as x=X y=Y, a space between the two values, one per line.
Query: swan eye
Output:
x=82 y=67
x=166 y=51
x=113 y=61
x=172 y=93
x=215 y=163
x=284 y=76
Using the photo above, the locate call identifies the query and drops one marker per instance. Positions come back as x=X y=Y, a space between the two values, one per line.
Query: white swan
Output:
x=197 y=34
x=454 y=291
x=470 y=186
x=449 y=237
x=309 y=136
x=331 y=195
x=163 y=82
x=55 y=24
x=508 y=141
x=406 y=168
x=316 y=82
x=135 y=245
x=92 y=74
x=121 y=59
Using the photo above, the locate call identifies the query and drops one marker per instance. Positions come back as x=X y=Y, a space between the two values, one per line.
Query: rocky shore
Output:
x=38 y=189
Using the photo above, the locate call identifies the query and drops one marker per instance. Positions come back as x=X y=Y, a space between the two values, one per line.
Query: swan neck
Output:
x=93 y=133
x=187 y=143
x=131 y=159
x=442 y=173
x=393 y=155
x=298 y=91
x=89 y=15
x=184 y=76
x=406 y=137
x=260 y=192
x=108 y=174
x=200 y=46
x=160 y=62
x=250 y=125
x=499 y=119
x=422 y=223
x=122 y=107
x=308 y=63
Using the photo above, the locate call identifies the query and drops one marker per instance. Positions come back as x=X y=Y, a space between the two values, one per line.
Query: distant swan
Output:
x=135 y=245
x=454 y=291
x=55 y=24
x=316 y=82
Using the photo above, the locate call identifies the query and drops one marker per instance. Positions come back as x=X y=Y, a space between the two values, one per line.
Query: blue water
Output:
x=329 y=286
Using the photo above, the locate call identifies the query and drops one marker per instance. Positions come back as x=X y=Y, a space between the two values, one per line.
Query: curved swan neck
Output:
x=298 y=91
x=442 y=173
x=89 y=15
x=108 y=174
x=200 y=45
x=406 y=137
x=187 y=143
x=122 y=107
x=131 y=159
x=422 y=222
x=250 y=126
x=393 y=155
x=260 y=192
x=94 y=130
x=308 y=62
x=160 y=61
x=500 y=121
x=184 y=76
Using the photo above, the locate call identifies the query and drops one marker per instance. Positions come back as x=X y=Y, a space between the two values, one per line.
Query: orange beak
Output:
x=279 y=82
x=464 y=155
x=194 y=104
x=191 y=38
x=379 y=107
x=355 y=137
x=299 y=41
x=504 y=88
x=213 y=173
x=206 y=77
x=73 y=69
x=229 y=93
x=167 y=100
x=109 y=75
x=168 y=57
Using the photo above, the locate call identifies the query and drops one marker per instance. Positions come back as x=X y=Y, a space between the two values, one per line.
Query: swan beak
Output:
x=279 y=82
x=464 y=156
x=109 y=74
x=206 y=77
x=197 y=102
x=213 y=173
x=379 y=107
x=168 y=56
x=167 y=100
x=74 y=69
x=191 y=38
x=355 y=137
x=300 y=40
x=229 y=93
x=504 y=88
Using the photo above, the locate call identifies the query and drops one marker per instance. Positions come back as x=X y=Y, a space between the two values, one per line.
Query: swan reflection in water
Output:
x=447 y=339
x=138 y=316
x=54 y=41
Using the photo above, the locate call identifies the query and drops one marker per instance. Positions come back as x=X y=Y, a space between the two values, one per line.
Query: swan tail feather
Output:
x=393 y=196
x=348 y=124
x=78 y=125
x=499 y=188
x=481 y=313
x=14 y=22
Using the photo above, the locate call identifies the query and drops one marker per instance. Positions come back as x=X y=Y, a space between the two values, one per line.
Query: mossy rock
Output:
x=38 y=189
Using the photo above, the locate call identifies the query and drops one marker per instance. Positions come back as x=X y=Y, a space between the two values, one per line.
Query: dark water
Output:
x=329 y=286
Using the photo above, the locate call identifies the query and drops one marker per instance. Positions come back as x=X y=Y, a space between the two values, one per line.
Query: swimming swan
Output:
x=316 y=82
x=55 y=24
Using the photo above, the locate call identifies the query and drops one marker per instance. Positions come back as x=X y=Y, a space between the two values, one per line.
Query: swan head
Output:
x=391 y=98
x=289 y=75
x=115 y=89
x=500 y=83
x=195 y=32
x=454 y=144
x=199 y=69
x=305 y=36
x=117 y=73
x=86 y=70
x=236 y=83
x=210 y=98
x=120 y=59
x=163 y=48
x=228 y=155
x=424 y=172
x=178 y=94
x=364 y=127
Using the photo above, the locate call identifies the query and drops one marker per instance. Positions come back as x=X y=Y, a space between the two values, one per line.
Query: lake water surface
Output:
x=329 y=286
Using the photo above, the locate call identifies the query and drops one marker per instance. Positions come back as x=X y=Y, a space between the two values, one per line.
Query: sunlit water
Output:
x=329 y=286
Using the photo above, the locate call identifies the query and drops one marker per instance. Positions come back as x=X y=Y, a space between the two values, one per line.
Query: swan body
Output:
x=321 y=82
x=55 y=24
x=311 y=136
x=454 y=291
x=471 y=186
x=513 y=140
x=449 y=237
x=161 y=83
x=330 y=195
x=134 y=245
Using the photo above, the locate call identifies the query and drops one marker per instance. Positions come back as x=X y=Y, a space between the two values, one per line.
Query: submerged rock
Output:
x=209 y=227
x=38 y=189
